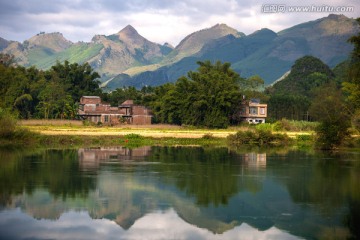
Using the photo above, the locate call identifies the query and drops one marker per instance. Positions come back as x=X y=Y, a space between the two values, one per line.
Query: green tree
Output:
x=207 y=97
x=328 y=107
x=79 y=80
x=351 y=86
x=54 y=101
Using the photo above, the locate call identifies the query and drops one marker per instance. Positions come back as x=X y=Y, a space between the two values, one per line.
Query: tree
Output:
x=351 y=87
x=79 y=80
x=205 y=98
x=328 y=107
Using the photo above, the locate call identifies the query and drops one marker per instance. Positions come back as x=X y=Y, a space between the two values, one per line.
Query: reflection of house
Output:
x=91 y=158
x=253 y=111
x=92 y=109
x=255 y=160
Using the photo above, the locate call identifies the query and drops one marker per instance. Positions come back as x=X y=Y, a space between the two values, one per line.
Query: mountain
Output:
x=264 y=52
x=128 y=59
x=3 y=43
x=306 y=74
x=37 y=47
x=194 y=42
x=108 y=55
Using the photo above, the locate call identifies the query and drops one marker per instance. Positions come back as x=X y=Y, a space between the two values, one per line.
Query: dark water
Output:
x=178 y=193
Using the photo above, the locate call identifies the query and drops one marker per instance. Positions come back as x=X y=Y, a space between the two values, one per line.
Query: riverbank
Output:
x=76 y=128
x=64 y=134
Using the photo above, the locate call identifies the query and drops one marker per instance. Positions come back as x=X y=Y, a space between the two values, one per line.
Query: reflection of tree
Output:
x=207 y=174
x=56 y=170
x=327 y=182
x=352 y=219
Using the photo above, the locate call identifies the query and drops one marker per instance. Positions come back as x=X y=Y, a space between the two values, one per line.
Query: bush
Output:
x=295 y=126
x=8 y=123
x=258 y=137
x=264 y=126
x=133 y=136
x=208 y=136
x=331 y=134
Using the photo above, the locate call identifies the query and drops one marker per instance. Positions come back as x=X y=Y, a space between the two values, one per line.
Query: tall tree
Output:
x=329 y=109
x=206 y=97
x=79 y=80
x=351 y=87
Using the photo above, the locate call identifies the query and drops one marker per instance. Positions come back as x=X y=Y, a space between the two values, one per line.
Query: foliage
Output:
x=258 y=137
x=289 y=106
x=329 y=108
x=291 y=97
x=8 y=123
x=46 y=94
x=206 y=98
x=351 y=86
x=295 y=126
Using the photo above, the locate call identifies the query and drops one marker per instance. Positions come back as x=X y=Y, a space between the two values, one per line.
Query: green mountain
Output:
x=141 y=62
x=263 y=53
x=306 y=74
x=108 y=55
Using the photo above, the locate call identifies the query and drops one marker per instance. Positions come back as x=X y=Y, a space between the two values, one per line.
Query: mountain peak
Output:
x=55 y=41
x=128 y=30
x=193 y=43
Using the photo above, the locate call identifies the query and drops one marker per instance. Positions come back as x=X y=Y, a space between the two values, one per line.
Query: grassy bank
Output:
x=64 y=133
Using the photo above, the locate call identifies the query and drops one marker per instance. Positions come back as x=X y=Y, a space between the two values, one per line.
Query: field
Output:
x=76 y=128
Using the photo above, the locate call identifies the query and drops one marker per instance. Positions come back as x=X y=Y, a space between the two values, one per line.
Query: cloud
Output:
x=157 y=225
x=158 y=20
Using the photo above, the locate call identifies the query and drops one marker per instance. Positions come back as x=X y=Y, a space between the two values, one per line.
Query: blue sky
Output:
x=157 y=20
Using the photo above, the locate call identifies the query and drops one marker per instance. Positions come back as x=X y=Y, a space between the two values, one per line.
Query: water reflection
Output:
x=187 y=193
x=91 y=158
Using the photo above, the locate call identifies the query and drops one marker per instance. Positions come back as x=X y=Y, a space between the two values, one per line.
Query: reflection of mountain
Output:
x=210 y=188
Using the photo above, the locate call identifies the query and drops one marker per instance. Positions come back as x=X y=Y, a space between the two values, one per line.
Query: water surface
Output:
x=178 y=193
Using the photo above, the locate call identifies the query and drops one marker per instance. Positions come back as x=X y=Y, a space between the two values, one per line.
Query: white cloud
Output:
x=157 y=225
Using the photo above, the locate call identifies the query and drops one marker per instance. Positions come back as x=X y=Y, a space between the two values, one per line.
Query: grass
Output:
x=68 y=133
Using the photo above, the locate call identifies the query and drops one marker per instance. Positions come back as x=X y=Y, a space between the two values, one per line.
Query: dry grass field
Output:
x=76 y=128
x=67 y=127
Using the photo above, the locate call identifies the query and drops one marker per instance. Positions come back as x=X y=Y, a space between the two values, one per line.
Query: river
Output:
x=179 y=193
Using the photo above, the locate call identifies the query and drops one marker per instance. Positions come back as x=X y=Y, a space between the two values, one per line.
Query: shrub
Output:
x=286 y=125
x=133 y=136
x=264 y=126
x=8 y=123
x=258 y=137
x=208 y=136
x=331 y=134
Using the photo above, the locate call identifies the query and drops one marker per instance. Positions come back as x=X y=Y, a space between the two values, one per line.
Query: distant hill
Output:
x=129 y=59
x=306 y=74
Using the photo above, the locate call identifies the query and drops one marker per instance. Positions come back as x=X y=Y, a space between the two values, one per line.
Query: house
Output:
x=93 y=109
x=253 y=111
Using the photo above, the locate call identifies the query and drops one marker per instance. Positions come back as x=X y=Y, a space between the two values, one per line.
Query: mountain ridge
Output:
x=264 y=52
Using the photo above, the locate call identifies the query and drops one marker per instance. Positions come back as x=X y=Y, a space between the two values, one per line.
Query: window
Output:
x=106 y=118
x=262 y=111
x=253 y=110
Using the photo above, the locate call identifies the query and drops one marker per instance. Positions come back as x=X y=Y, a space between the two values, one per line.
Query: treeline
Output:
x=208 y=97
x=33 y=93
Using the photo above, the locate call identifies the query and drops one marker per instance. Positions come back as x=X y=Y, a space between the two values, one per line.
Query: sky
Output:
x=159 y=21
